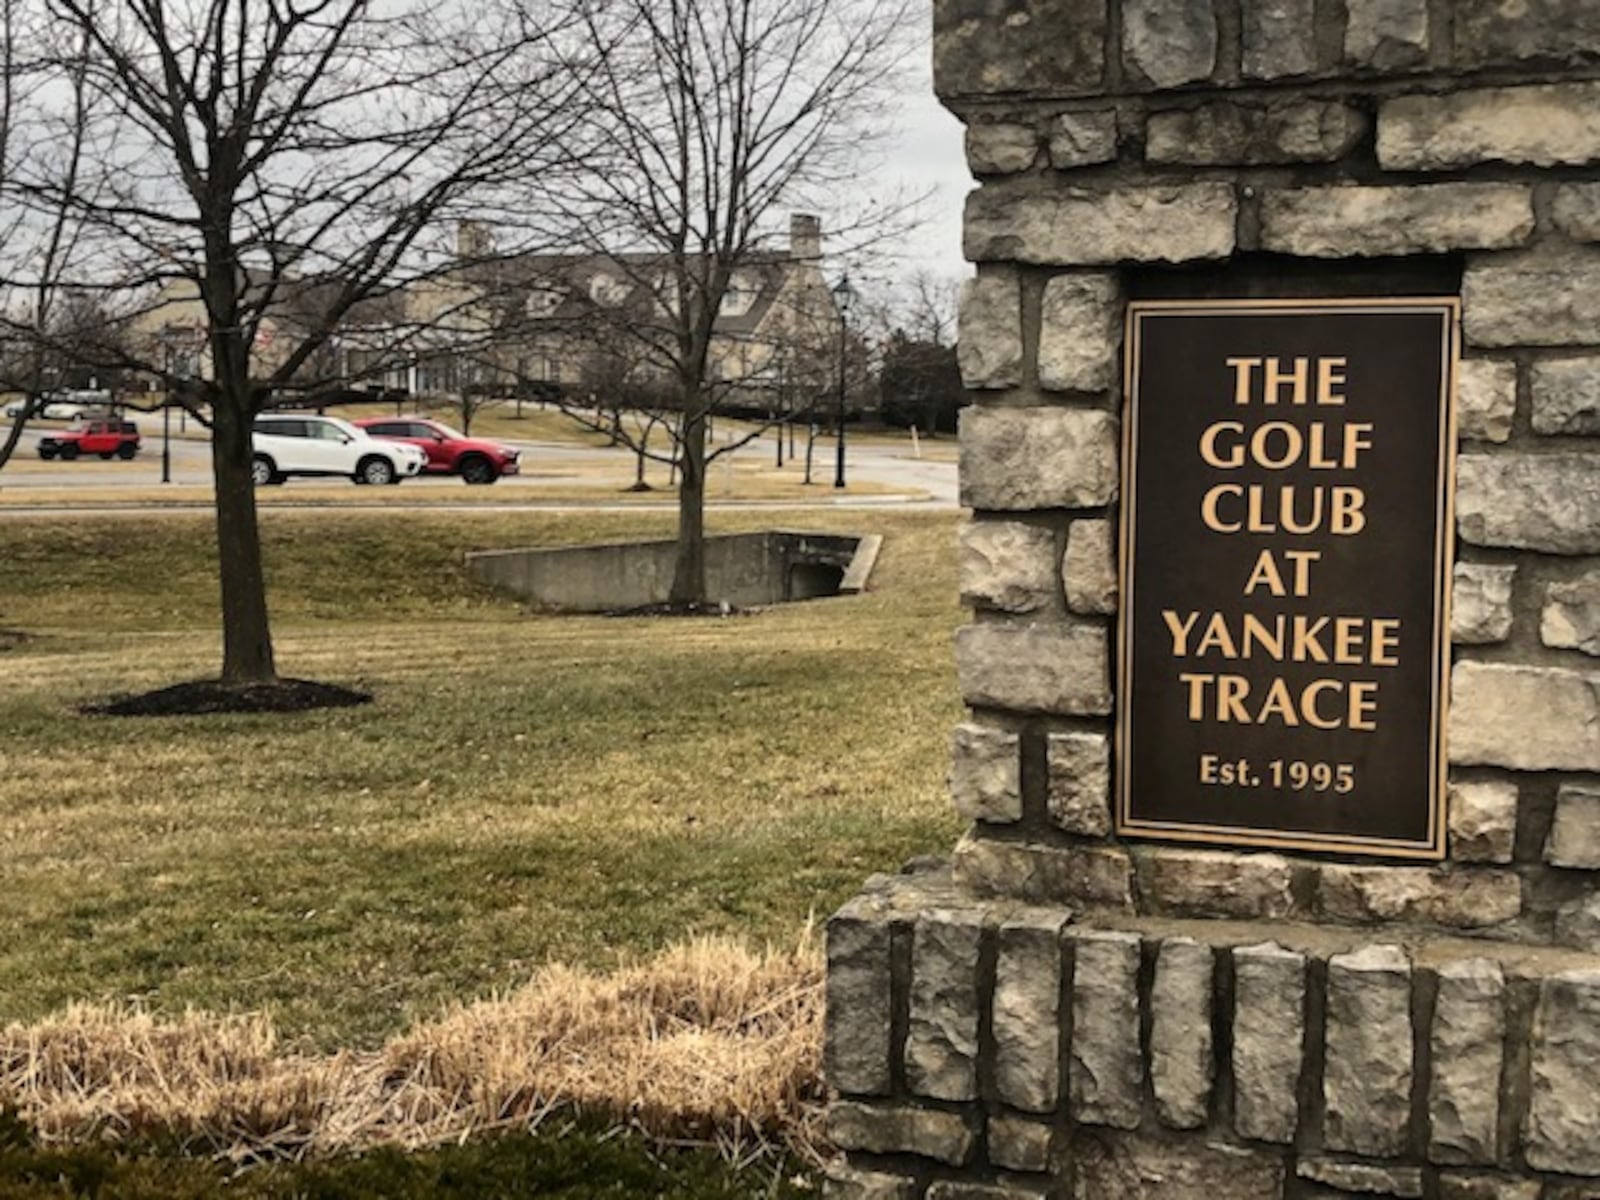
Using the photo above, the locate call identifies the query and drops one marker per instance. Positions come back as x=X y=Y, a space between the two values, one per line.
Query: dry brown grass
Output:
x=708 y=1042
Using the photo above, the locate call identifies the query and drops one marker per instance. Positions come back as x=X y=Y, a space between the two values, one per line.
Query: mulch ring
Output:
x=202 y=696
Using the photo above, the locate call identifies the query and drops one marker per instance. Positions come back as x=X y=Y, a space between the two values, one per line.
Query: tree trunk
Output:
x=246 y=632
x=689 y=566
x=639 y=484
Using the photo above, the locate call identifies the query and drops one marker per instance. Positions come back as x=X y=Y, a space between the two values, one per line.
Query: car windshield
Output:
x=343 y=427
x=444 y=430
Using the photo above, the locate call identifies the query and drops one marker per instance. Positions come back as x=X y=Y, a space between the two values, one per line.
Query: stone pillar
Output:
x=1072 y=1013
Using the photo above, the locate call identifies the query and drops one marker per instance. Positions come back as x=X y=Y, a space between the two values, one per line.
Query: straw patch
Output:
x=709 y=1042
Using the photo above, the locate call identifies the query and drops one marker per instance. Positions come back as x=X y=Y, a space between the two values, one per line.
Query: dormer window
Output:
x=740 y=296
x=542 y=301
x=607 y=290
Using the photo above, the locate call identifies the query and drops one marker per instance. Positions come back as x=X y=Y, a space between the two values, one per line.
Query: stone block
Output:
x=1026 y=1013
x=1181 y=1064
x=1169 y=42
x=1544 y=502
x=1483 y=821
x=1465 y=899
x=989 y=348
x=991 y=47
x=1132 y=1168
x=1460 y=1185
x=1097 y=876
x=1544 y=125
x=1020 y=1145
x=1566 y=395
x=1360 y=1178
x=1035 y=458
x=1468 y=1051
x=1034 y=668
x=1228 y=132
x=1574 y=840
x=895 y=1129
x=1532 y=298
x=1578 y=924
x=1366 y=1083
x=1349 y=222
x=986 y=773
x=1077 y=227
x=1576 y=211
x=1089 y=567
x=1106 y=1074
x=1080 y=783
x=1080 y=330
x=941 y=1051
x=1486 y=399
x=1008 y=565
x=1480 y=603
x=1524 y=718
x=1220 y=883
x=1082 y=139
x=1001 y=147
x=857 y=1030
x=1571 y=616
x=1562 y=1131
x=845 y=1183
x=1278 y=38
x=1269 y=995
x=1386 y=35
x=1495 y=32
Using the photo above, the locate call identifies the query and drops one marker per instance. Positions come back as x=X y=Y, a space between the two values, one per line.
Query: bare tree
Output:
x=919 y=383
x=927 y=311
x=47 y=327
x=247 y=151
x=709 y=119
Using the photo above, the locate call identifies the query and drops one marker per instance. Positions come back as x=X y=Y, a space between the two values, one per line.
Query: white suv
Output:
x=287 y=444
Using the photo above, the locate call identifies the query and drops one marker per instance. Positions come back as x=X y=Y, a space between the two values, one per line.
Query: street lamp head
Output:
x=843 y=294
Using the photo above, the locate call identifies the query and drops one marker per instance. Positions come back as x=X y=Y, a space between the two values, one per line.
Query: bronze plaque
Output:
x=1286 y=546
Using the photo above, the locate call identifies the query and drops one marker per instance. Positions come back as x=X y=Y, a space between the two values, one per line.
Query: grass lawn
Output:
x=561 y=1163
x=526 y=788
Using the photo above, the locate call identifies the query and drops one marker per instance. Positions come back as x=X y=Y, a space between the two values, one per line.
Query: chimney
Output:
x=805 y=237
x=472 y=240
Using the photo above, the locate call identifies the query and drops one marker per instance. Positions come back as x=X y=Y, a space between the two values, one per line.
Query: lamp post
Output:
x=844 y=296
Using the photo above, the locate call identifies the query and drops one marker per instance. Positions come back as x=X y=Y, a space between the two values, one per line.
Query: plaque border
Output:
x=1448 y=309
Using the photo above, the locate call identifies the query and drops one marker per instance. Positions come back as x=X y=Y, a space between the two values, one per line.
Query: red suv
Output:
x=476 y=460
x=109 y=437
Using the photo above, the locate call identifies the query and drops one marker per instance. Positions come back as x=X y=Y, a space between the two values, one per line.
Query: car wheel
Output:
x=263 y=472
x=479 y=470
x=47 y=451
x=127 y=451
x=68 y=452
x=375 y=470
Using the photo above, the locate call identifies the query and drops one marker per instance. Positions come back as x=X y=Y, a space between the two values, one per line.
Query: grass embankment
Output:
x=526 y=790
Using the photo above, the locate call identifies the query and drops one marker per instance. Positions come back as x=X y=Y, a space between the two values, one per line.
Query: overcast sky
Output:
x=928 y=154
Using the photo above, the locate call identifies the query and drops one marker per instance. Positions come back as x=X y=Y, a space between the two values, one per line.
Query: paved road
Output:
x=909 y=480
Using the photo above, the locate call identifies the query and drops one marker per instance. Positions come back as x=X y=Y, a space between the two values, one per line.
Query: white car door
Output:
x=331 y=448
x=284 y=442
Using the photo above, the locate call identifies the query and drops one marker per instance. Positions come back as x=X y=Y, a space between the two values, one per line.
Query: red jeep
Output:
x=109 y=437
